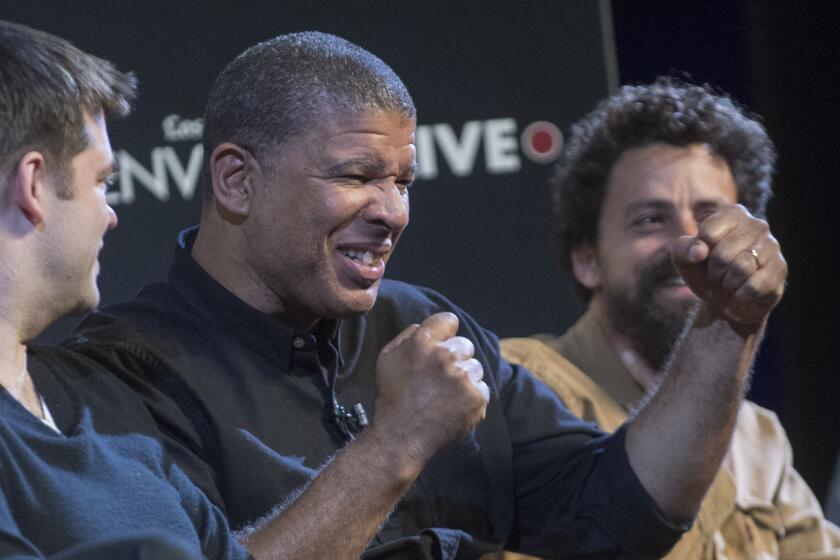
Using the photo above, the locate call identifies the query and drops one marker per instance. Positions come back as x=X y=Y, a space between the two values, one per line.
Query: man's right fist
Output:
x=430 y=388
x=735 y=265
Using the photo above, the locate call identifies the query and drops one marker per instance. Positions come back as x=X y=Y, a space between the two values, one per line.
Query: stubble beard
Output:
x=651 y=327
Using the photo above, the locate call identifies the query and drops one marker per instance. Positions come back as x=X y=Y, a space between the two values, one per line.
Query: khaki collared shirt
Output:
x=758 y=506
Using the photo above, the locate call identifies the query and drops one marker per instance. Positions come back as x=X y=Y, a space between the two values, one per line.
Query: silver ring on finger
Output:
x=754 y=252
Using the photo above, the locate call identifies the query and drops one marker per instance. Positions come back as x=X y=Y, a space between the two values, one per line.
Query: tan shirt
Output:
x=758 y=507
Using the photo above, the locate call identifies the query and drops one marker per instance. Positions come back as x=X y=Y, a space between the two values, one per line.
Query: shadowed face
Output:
x=655 y=194
x=330 y=212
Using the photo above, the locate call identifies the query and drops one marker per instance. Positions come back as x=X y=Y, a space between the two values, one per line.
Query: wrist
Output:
x=398 y=455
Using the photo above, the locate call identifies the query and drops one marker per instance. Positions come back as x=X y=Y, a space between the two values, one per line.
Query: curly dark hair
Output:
x=670 y=111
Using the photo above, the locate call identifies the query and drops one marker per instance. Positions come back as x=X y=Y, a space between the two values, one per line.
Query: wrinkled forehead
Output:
x=337 y=116
x=665 y=171
x=332 y=127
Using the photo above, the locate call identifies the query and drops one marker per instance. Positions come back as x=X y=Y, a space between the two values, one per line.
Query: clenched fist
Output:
x=735 y=265
x=430 y=388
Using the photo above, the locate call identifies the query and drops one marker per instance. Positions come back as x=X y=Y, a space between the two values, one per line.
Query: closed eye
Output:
x=649 y=219
x=404 y=184
x=108 y=181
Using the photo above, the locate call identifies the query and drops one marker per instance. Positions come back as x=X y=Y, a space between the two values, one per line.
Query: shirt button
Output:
x=298 y=342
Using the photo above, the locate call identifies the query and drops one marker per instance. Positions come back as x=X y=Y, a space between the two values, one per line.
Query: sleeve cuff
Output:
x=625 y=508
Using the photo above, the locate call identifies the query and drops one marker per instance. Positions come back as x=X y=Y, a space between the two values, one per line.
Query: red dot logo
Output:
x=541 y=142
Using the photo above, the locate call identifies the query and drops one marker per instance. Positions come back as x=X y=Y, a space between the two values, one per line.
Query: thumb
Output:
x=689 y=255
x=400 y=338
x=440 y=326
x=688 y=251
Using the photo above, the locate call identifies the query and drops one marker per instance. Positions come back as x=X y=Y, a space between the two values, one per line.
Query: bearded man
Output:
x=651 y=165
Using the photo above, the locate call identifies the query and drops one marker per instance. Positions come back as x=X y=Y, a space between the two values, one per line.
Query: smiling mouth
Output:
x=365 y=267
x=367 y=258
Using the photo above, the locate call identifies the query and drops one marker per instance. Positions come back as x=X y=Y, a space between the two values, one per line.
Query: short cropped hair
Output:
x=276 y=89
x=669 y=111
x=46 y=87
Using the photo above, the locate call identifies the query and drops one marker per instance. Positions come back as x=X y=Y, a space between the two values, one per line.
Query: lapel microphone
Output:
x=349 y=422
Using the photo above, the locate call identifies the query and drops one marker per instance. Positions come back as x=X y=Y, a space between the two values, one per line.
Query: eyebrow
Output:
x=372 y=165
x=368 y=164
x=646 y=203
x=663 y=205
x=111 y=167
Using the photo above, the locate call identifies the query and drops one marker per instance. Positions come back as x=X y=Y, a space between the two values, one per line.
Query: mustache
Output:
x=660 y=272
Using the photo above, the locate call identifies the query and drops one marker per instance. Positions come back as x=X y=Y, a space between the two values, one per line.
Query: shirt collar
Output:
x=587 y=346
x=263 y=333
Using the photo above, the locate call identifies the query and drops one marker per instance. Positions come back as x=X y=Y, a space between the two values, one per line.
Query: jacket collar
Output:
x=587 y=346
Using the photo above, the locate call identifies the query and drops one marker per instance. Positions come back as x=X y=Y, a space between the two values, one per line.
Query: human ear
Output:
x=585 y=267
x=233 y=171
x=28 y=187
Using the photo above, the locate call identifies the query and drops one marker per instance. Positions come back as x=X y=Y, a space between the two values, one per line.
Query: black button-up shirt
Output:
x=245 y=401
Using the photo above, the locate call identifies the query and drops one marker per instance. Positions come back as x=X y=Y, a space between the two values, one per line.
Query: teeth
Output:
x=366 y=257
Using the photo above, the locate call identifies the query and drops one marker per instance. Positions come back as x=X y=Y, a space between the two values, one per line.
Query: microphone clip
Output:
x=349 y=423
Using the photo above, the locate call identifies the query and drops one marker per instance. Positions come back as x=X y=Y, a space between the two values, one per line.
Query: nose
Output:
x=390 y=207
x=112 y=217
x=687 y=224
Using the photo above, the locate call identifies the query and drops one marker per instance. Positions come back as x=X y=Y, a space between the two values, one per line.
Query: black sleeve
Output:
x=576 y=494
x=575 y=490
x=187 y=435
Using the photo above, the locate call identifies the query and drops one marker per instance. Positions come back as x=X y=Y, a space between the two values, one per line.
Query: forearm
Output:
x=339 y=512
x=430 y=393
x=677 y=441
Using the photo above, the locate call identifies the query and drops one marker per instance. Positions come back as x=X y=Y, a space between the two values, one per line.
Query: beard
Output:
x=652 y=327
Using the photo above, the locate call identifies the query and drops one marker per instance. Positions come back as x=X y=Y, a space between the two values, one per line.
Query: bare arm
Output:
x=430 y=394
x=678 y=440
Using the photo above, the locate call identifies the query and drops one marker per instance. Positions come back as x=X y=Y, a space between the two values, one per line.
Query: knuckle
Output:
x=715 y=233
x=446 y=357
x=708 y=230
x=719 y=259
x=744 y=263
x=741 y=210
x=745 y=294
x=465 y=345
x=476 y=368
x=771 y=287
x=755 y=288
x=735 y=277
x=422 y=336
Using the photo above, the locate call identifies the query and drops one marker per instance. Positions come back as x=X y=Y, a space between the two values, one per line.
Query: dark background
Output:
x=781 y=60
x=482 y=239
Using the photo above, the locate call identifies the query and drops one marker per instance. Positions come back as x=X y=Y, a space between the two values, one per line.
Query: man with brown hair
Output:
x=83 y=472
x=651 y=165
